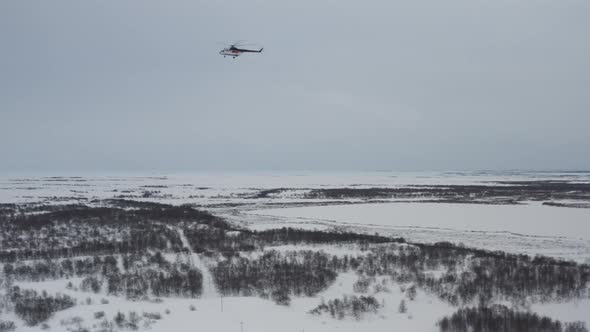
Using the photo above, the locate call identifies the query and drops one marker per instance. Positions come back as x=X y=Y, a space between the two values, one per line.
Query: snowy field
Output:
x=531 y=228
x=212 y=312
x=528 y=227
x=532 y=219
x=255 y=314
x=212 y=188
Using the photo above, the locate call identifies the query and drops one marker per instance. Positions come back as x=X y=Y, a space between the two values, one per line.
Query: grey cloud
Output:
x=341 y=85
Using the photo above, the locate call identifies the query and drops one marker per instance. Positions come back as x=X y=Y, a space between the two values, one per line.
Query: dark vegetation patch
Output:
x=352 y=306
x=131 y=204
x=153 y=194
x=7 y=326
x=479 y=276
x=127 y=226
x=304 y=273
x=46 y=208
x=64 y=178
x=41 y=270
x=141 y=276
x=470 y=276
x=507 y=192
x=501 y=318
x=108 y=215
x=152 y=275
x=266 y=193
x=81 y=230
x=89 y=240
x=211 y=239
x=583 y=205
x=7 y=209
x=34 y=308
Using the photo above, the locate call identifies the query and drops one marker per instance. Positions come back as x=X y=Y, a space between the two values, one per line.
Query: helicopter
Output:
x=235 y=50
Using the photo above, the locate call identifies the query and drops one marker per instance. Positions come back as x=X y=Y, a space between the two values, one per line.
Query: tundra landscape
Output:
x=294 y=166
x=431 y=251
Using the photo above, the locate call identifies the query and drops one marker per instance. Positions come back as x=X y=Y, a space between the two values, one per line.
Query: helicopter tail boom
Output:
x=250 y=51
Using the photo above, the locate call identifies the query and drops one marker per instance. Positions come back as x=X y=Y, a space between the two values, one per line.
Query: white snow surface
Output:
x=254 y=314
x=224 y=187
x=529 y=228
x=228 y=314
x=530 y=219
x=209 y=289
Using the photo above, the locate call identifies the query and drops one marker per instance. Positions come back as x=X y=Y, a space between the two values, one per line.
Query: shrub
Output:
x=403 y=308
x=34 y=309
x=79 y=329
x=411 y=292
x=348 y=306
x=106 y=326
x=7 y=326
x=281 y=297
x=300 y=273
x=76 y=320
x=91 y=283
x=134 y=319
x=575 y=327
x=152 y=315
x=362 y=284
x=120 y=319
x=501 y=318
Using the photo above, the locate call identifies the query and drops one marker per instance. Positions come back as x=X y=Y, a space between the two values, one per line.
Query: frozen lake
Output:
x=530 y=219
x=216 y=187
x=531 y=229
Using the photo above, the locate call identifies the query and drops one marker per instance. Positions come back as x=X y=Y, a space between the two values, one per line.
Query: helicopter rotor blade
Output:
x=238 y=42
x=241 y=44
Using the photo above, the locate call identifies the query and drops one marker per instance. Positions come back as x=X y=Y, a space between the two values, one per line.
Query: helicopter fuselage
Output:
x=230 y=52
x=236 y=52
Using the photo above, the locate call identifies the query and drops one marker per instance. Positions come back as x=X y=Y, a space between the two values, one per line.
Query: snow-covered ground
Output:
x=258 y=315
x=252 y=313
x=531 y=219
x=209 y=290
x=529 y=228
x=210 y=188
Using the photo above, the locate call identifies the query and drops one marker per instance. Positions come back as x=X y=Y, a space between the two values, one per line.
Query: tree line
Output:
x=478 y=275
x=303 y=273
x=82 y=230
x=34 y=308
x=349 y=306
x=232 y=240
x=501 y=318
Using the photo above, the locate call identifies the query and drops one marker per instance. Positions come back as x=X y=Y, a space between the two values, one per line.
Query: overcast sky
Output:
x=341 y=84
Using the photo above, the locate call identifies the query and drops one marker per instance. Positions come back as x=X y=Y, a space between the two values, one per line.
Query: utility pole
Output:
x=241 y=326
x=221 y=298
